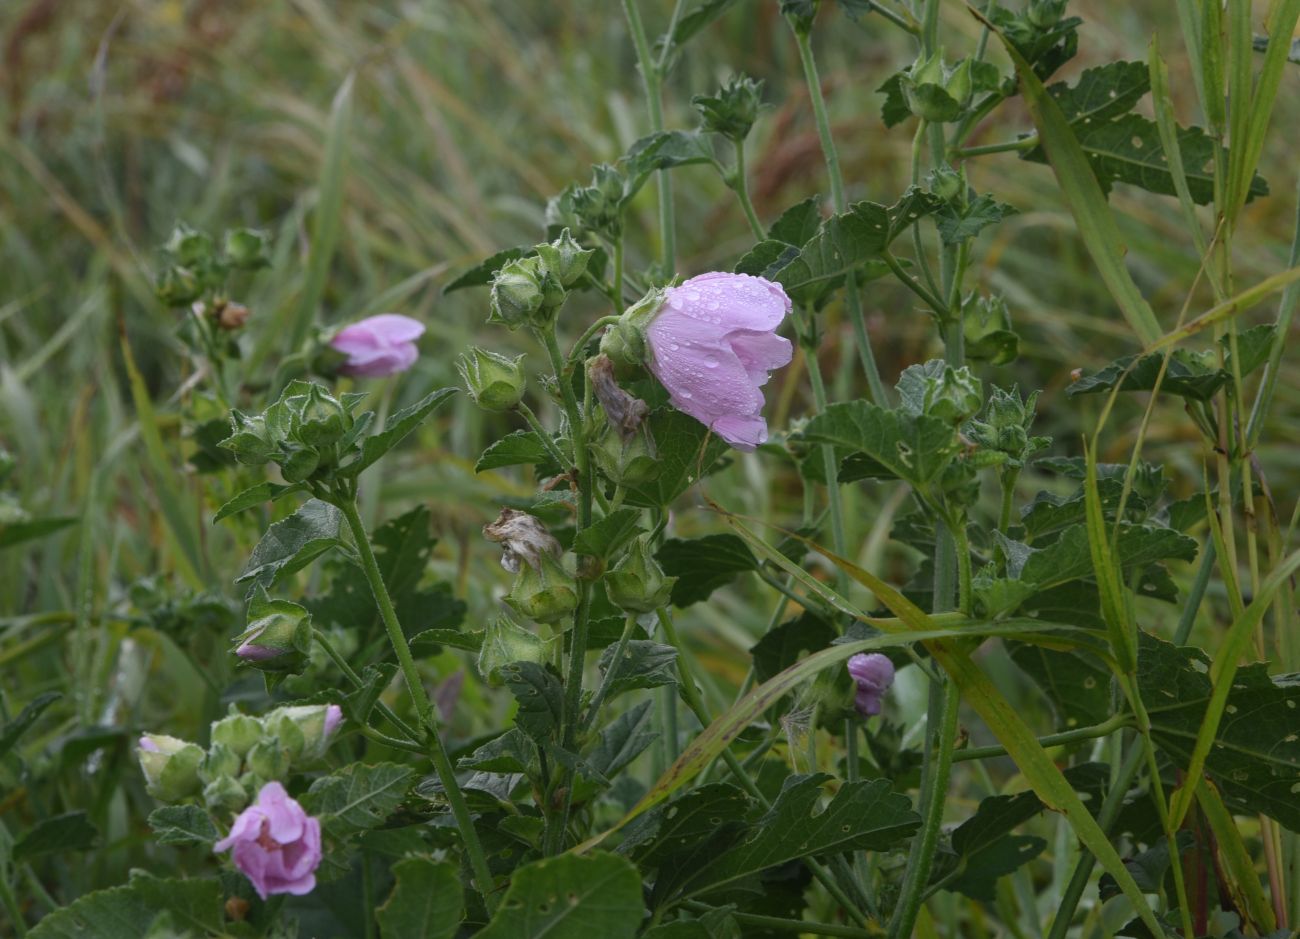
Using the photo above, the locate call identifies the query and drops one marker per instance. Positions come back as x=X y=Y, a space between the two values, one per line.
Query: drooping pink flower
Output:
x=378 y=345
x=275 y=843
x=874 y=674
x=713 y=345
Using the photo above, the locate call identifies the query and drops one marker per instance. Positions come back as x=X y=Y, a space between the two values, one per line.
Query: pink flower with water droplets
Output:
x=275 y=843
x=713 y=346
x=874 y=675
x=378 y=345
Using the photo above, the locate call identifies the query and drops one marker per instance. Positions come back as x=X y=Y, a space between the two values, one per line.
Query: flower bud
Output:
x=637 y=583
x=225 y=794
x=518 y=293
x=925 y=89
x=278 y=637
x=959 y=84
x=940 y=391
x=565 y=259
x=190 y=247
x=626 y=464
x=317 y=418
x=986 y=324
x=237 y=732
x=219 y=761
x=177 y=286
x=246 y=249
x=298 y=463
x=1044 y=14
x=505 y=641
x=625 y=341
x=1004 y=428
x=230 y=317
x=873 y=673
x=599 y=206
x=170 y=766
x=306 y=731
x=250 y=439
x=945 y=182
x=495 y=382
x=269 y=759
x=546 y=593
x=733 y=110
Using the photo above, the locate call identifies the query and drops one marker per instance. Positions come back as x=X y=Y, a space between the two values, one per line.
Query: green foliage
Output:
x=570 y=897
x=426 y=902
x=702 y=565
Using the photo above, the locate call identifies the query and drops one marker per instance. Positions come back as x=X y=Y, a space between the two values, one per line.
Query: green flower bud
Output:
x=297 y=464
x=928 y=70
x=318 y=418
x=225 y=794
x=237 y=732
x=599 y=206
x=546 y=593
x=246 y=249
x=626 y=464
x=177 y=286
x=939 y=390
x=986 y=323
x=637 y=583
x=959 y=84
x=1004 y=429
x=170 y=766
x=190 y=247
x=306 y=731
x=1044 y=14
x=565 y=259
x=278 y=637
x=945 y=182
x=250 y=440
x=924 y=89
x=733 y=110
x=219 y=761
x=625 y=341
x=518 y=293
x=495 y=382
x=505 y=641
x=269 y=759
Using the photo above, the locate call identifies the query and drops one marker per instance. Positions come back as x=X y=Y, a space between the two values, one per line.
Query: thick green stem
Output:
x=851 y=299
x=424 y=710
x=651 y=81
x=740 y=184
x=933 y=797
x=1008 y=479
x=618 y=274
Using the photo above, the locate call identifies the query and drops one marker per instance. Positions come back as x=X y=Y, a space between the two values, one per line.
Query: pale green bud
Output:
x=170 y=766
x=495 y=382
x=637 y=583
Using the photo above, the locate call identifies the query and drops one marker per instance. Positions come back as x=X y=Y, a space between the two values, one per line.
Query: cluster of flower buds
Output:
x=307 y=432
x=529 y=291
x=597 y=207
x=733 y=110
x=195 y=267
x=244 y=754
x=938 y=390
x=1004 y=428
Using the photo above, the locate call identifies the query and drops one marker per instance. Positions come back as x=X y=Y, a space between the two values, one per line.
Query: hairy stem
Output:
x=652 y=84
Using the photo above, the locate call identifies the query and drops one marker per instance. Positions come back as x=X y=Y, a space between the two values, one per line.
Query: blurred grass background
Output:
x=119 y=119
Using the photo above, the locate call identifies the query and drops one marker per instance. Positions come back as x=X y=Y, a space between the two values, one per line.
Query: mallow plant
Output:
x=628 y=793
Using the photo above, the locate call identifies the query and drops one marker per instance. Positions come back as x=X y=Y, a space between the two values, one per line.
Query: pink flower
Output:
x=874 y=674
x=333 y=717
x=275 y=843
x=378 y=345
x=712 y=346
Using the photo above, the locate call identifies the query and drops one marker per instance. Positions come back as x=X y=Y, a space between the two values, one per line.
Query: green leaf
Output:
x=182 y=824
x=129 y=911
x=1148 y=867
x=254 y=496
x=981 y=869
x=983 y=211
x=511 y=752
x=481 y=274
x=604 y=537
x=33 y=528
x=292 y=543
x=782 y=646
x=1185 y=377
x=702 y=565
x=1069 y=557
x=685 y=451
x=1253 y=345
x=915 y=448
x=523 y=447
x=570 y=897
x=1077 y=684
x=71 y=831
x=863 y=815
x=664 y=150
x=427 y=901
x=1084 y=195
x=799 y=223
x=1255 y=757
x=622 y=740
x=644 y=664
x=895 y=109
x=540 y=695
x=1103 y=92
x=358 y=797
x=28 y=716
x=396 y=430
x=693 y=22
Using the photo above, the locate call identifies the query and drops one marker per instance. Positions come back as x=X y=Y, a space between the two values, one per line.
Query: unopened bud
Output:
x=517 y=293
x=170 y=766
x=546 y=593
x=238 y=732
x=495 y=382
x=565 y=259
x=637 y=583
x=278 y=637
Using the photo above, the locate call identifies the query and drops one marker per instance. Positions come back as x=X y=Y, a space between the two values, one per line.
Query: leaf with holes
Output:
x=1255 y=759
x=570 y=897
x=427 y=901
x=1077 y=684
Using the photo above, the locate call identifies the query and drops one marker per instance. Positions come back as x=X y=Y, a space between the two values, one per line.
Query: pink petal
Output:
x=737 y=301
x=703 y=376
x=743 y=433
x=761 y=353
x=394 y=328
